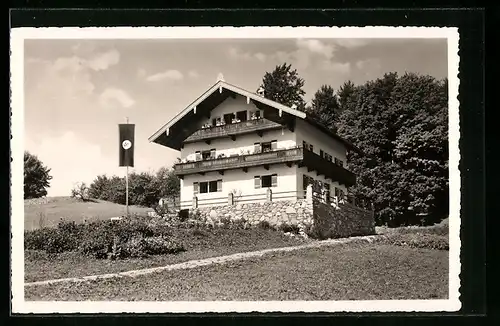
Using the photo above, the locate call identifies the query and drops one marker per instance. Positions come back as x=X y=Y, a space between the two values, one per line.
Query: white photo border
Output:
x=19 y=305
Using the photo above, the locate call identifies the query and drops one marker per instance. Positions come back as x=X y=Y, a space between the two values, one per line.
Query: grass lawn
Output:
x=199 y=244
x=344 y=272
x=72 y=210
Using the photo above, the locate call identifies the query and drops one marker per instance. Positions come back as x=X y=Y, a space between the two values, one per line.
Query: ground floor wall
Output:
x=242 y=185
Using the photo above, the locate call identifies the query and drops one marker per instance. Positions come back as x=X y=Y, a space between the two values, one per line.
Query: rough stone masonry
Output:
x=329 y=220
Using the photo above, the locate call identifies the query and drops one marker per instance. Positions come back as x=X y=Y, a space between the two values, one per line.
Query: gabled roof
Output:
x=175 y=131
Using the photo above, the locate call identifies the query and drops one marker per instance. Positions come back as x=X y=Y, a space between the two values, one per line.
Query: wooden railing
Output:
x=240 y=161
x=232 y=129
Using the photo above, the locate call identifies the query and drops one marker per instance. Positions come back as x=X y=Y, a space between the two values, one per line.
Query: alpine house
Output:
x=235 y=141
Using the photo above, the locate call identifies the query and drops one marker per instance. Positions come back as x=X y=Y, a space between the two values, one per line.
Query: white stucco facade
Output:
x=250 y=183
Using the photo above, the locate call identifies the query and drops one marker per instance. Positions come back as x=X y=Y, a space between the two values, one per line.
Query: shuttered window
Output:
x=274 y=180
x=256 y=180
x=256 y=147
x=195 y=187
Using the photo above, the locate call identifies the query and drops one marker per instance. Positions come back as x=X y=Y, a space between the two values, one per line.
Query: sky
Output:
x=78 y=91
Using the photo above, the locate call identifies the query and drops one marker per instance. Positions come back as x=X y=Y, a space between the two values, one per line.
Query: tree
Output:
x=36 y=177
x=344 y=94
x=284 y=86
x=325 y=107
x=168 y=183
x=400 y=123
x=80 y=191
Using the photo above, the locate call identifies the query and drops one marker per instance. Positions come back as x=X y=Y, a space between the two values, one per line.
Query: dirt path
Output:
x=205 y=262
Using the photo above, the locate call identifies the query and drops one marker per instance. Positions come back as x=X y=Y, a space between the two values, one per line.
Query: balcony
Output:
x=240 y=161
x=233 y=129
x=304 y=158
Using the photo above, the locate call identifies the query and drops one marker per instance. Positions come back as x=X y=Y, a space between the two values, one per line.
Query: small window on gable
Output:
x=241 y=116
x=321 y=153
x=266 y=147
x=311 y=147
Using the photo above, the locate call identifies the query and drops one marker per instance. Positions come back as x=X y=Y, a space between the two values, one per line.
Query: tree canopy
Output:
x=36 y=177
x=284 y=86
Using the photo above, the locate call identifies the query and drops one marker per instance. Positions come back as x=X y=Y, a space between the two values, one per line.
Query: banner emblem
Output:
x=126 y=144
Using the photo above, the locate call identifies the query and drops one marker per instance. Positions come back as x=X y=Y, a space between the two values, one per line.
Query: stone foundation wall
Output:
x=291 y=212
x=341 y=220
x=318 y=218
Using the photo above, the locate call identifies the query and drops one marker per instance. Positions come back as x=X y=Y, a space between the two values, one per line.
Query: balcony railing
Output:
x=306 y=158
x=240 y=161
x=232 y=129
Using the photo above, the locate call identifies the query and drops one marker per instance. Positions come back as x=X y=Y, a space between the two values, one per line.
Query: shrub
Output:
x=131 y=237
x=289 y=228
x=226 y=222
x=417 y=240
x=80 y=191
x=264 y=225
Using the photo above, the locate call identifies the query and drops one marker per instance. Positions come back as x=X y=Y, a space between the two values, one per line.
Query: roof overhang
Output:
x=181 y=126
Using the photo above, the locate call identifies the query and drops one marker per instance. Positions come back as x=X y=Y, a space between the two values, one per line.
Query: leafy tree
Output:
x=344 y=94
x=36 y=177
x=80 y=191
x=400 y=123
x=168 y=183
x=99 y=188
x=284 y=86
x=325 y=107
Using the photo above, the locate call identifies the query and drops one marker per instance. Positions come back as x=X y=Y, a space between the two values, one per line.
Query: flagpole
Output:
x=126 y=188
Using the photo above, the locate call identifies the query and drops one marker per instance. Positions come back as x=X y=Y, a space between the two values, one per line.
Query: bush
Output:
x=80 y=191
x=264 y=225
x=417 y=240
x=289 y=228
x=131 y=237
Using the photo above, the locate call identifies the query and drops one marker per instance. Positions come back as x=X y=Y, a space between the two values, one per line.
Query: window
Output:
x=228 y=118
x=327 y=192
x=307 y=146
x=256 y=148
x=311 y=147
x=207 y=186
x=208 y=154
x=241 y=116
x=321 y=153
x=269 y=146
x=254 y=115
x=306 y=180
x=266 y=181
x=328 y=157
x=339 y=162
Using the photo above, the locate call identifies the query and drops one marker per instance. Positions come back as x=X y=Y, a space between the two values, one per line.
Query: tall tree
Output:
x=344 y=94
x=400 y=123
x=325 y=107
x=284 y=86
x=36 y=177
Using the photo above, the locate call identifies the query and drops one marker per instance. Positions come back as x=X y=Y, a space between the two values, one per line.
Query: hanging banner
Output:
x=126 y=138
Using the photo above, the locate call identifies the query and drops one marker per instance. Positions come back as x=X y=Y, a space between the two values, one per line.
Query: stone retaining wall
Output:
x=311 y=215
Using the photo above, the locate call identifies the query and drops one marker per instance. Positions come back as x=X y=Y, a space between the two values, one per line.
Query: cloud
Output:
x=103 y=61
x=193 y=74
x=368 y=63
x=238 y=54
x=110 y=96
x=317 y=47
x=350 y=42
x=338 y=67
x=169 y=74
x=65 y=173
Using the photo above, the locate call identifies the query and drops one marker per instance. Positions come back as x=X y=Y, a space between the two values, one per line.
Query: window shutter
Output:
x=304 y=144
x=274 y=145
x=219 y=185
x=212 y=153
x=321 y=153
x=257 y=182
x=198 y=156
x=311 y=148
x=274 y=180
x=256 y=147
x=195 y=187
